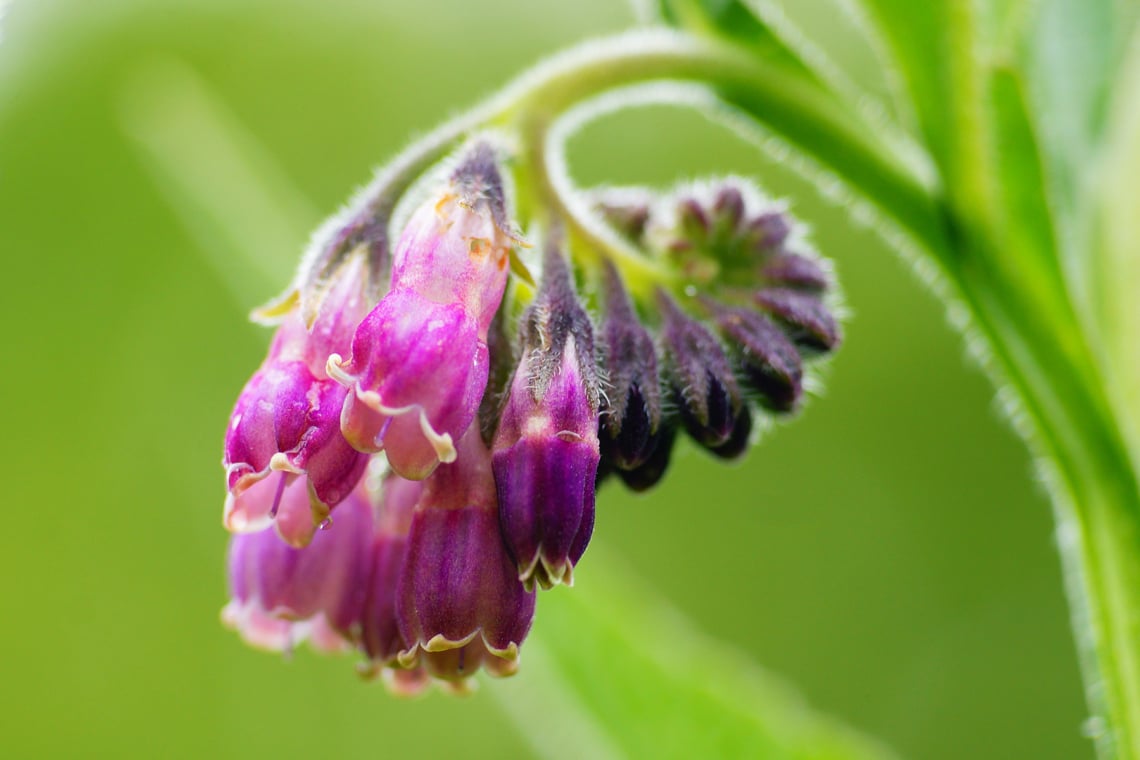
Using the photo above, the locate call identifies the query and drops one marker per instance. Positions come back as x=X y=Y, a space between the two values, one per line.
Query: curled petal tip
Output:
x=240 y=476
x=282 y=462
x=440 y=643
x=442 y=443
x=509 y=653
x=334 y=367
x=237 y=520
x=547 y=574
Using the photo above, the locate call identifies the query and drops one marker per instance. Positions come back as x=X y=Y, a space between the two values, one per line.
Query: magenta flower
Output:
x=421 y=372
x=287 y=421
x=282 y=595
x=381 y=640
x=419 y=361
x=460 y=602
x=546 y=449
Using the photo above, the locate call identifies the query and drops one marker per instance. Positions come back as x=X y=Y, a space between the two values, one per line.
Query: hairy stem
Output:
x=791 y=105
x=1096 y=502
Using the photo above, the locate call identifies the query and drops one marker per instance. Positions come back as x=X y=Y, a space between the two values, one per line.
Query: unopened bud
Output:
x=546 y=449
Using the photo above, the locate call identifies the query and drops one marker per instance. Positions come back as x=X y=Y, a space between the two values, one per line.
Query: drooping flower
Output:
x=631 y=409
x=699 y=375
x=546 y=449
x=419 y=363
x=772 y=365
x=431 y=575
x=460 y=604
x=281 y=595
x=381 y=640
x=286 y=422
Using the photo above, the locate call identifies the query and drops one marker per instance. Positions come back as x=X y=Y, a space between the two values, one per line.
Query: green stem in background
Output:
x=1008 y=271
x=1096 y=501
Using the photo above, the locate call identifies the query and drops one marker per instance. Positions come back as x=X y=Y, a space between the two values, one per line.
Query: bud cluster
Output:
x=731 y=342
x=420 y=450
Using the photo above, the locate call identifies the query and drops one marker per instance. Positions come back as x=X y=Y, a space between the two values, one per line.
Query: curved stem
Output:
x=588 y=235
x=789 y=102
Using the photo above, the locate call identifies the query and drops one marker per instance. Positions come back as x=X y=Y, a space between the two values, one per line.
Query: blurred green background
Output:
x=890 y=554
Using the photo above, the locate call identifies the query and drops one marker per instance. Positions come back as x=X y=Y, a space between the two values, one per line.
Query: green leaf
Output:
x=1072 y=53
x=760 y=26
x=765 y=30
x=1115 y=274
x=732 y=20
x=617 y=668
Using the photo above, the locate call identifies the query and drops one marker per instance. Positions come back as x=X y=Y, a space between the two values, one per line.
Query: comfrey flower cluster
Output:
x=419 y=452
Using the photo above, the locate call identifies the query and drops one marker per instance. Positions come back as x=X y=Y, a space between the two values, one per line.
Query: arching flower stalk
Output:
x=597 y=369
x=431 y=574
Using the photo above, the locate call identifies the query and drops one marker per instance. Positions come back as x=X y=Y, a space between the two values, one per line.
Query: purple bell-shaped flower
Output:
x=285 y=426
x=419 y=361
x=460 y=603
x=546 y=448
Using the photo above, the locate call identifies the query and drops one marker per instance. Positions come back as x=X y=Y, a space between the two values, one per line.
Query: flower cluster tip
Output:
x=415 y=458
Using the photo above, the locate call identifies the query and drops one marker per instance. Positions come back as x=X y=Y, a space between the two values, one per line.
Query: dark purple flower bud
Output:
x=281 y=594
x=419 y=360
x=627 y=210
x=768 y=230
x=629 y=221
x=650 y=472
x=631 y=410
x=700 y=375
x=791 y=270
x=546 y=449
x=503 y=362
x=740 y=439
x=459 y=601
x=693 y=223
x=770 y=362
x=287 y=419
x=723 y=232
x=804 y=317
x=728 y=211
